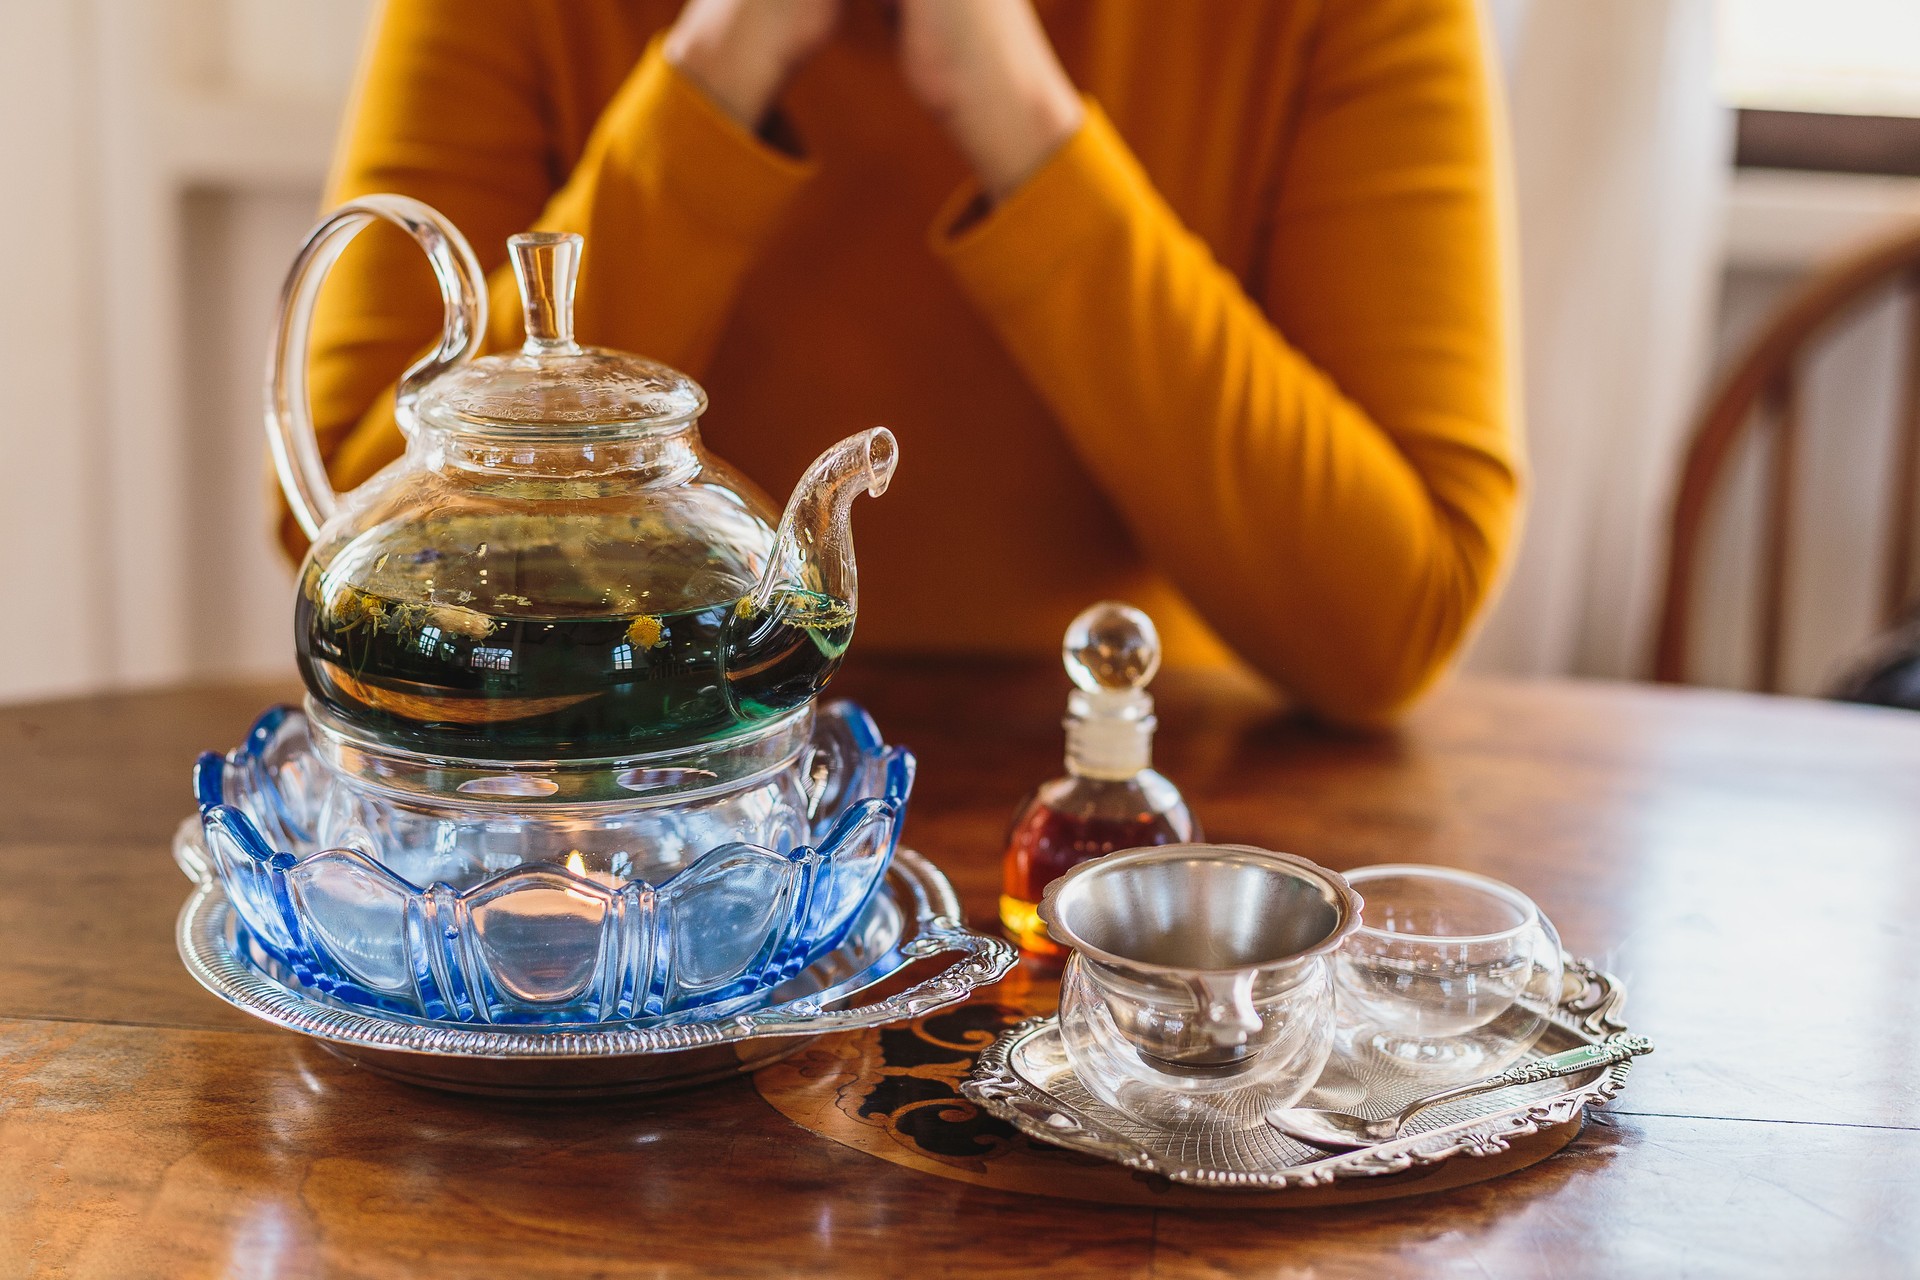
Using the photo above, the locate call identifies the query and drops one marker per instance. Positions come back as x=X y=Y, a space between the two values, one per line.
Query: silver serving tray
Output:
x=913 y=917
x=1024 y=1079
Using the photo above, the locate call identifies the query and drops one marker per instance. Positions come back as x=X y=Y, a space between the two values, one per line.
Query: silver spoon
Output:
x=1343 y=1131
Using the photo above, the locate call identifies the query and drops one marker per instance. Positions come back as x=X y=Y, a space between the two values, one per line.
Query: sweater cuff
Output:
x=698 y=157
x=1076 y=200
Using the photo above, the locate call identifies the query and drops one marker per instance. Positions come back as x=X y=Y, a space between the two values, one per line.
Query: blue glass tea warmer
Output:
x=560 y=759
x=692 y=901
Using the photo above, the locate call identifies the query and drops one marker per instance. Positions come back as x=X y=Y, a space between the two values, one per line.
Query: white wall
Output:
x=50 y=508
x=238 y=244
x=164 y=160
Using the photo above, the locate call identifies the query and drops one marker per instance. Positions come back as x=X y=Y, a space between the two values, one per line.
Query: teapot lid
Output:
x=553 y=387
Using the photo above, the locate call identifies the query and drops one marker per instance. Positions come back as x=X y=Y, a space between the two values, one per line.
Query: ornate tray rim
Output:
x=929 y=906
x=1591 y=1016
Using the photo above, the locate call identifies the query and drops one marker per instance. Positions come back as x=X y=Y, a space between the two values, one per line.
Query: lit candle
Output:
x=578 y=866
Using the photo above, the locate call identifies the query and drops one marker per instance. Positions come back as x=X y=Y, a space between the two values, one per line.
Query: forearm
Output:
x=987 y=72
x=741 y=53
x=1345 y=559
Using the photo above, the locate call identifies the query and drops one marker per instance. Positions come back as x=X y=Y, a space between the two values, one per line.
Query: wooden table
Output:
x=1751 y=866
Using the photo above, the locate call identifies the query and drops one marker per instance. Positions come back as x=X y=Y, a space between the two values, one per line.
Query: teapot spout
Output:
x=813 y=551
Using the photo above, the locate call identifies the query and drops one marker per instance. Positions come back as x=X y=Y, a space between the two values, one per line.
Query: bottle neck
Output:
x=1109 y=735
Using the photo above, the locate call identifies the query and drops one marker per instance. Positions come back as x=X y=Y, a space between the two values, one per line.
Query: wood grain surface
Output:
x=1750 y=865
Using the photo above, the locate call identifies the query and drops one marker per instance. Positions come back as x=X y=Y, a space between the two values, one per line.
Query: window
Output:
x=1844 y=57
x=1830 y=85
x=486 y=659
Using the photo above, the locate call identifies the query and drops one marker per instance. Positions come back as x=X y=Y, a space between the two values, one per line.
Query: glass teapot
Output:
x=556 y=568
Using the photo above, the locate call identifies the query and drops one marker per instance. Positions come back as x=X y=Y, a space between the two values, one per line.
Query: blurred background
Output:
x=1682 y=166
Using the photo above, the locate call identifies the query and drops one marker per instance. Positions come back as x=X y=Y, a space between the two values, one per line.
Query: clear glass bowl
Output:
x=1199 y=992
x=700 y=888
x=1448 y=970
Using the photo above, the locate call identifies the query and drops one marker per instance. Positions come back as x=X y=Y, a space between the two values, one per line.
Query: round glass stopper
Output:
x=1111 y=648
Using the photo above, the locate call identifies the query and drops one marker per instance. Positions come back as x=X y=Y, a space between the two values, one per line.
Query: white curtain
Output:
x=1622 y=157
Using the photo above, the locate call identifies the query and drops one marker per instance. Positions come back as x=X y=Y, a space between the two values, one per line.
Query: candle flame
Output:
x=578 y=866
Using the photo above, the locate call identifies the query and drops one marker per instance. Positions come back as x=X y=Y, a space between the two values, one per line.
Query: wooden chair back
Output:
x=1762 y=391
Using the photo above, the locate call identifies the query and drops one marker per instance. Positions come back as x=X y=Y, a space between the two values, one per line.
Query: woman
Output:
x=1198 y=305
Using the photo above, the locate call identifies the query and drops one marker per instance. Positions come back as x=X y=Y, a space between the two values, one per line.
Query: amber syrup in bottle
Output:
x=1111 y=798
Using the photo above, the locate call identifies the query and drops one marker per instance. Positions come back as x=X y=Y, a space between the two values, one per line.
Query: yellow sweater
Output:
x=1237 y=350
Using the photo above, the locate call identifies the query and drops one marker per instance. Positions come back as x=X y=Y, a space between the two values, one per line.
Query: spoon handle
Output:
x=1569 y=1062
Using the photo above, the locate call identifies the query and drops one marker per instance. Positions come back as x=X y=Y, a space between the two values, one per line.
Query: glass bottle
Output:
x=1111 y=798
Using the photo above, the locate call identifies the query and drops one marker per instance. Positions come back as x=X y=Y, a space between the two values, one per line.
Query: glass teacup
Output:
x=1200 y=988
x=1449 y=970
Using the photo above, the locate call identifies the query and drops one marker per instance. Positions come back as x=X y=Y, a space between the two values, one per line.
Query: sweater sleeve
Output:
x=674 y=198
x=1320 y=458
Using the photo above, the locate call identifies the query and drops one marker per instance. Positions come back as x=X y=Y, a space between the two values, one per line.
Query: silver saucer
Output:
x=1024 y=1078
x=913 y=917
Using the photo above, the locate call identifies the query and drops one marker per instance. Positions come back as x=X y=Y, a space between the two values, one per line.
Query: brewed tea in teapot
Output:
x=555 y=568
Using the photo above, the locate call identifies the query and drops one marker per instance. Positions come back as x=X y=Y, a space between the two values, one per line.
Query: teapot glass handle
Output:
x=463 y=291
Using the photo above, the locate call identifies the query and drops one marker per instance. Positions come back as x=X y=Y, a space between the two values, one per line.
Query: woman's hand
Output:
x=742 y=52
x=986 y=70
